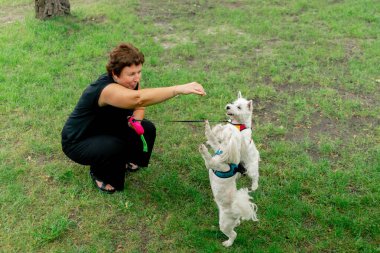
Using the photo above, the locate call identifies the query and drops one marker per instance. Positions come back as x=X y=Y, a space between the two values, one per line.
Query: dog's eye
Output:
x=239 y=107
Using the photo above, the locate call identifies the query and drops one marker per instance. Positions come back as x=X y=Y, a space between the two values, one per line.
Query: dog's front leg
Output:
x=204 y=152
x=211 y=138
x=213 y=162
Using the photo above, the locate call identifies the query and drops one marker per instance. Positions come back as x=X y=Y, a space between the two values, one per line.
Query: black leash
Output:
x=195 y=121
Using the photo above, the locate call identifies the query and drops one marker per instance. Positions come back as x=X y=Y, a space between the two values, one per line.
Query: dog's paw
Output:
x=203 y=149
x=254 y=186
x=207 y=125
x=227 y=243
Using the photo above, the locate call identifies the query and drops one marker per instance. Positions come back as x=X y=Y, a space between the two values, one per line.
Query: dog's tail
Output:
x=243 y=206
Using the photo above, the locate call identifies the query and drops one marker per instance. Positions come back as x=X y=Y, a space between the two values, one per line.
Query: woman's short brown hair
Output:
x=124 y=55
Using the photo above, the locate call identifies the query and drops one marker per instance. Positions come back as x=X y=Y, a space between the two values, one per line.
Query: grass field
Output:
x=312 y=69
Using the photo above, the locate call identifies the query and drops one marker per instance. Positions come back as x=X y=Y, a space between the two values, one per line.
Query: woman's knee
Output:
x=112 y=146
x=149 y=127
x=95 y=149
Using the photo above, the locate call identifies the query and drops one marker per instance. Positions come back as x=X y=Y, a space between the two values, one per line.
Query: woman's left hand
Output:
x=190 y=88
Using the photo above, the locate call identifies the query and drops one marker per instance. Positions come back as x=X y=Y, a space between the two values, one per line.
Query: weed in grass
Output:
x=51 y=229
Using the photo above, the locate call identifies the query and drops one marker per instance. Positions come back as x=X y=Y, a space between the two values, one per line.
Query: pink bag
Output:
x=136 y=125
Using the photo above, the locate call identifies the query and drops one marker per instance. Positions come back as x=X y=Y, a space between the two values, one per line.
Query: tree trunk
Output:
x=50 y=8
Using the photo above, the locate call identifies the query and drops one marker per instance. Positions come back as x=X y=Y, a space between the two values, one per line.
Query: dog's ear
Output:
x=239 y=94
x=250 y=105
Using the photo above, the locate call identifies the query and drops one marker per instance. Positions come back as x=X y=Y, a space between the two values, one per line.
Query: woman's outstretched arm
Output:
x=119 y=96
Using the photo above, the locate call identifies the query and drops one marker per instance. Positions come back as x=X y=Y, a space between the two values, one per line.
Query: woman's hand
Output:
x=189 y=88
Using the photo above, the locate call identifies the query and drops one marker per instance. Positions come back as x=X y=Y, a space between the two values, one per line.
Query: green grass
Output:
x=311 y=68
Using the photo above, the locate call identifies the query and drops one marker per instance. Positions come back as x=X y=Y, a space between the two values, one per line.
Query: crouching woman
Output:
x=107 y=129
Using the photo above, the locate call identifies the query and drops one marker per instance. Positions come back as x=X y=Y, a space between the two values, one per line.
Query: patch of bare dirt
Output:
x=317 y=127
x=367 y=100
x=267 y=48
x=12 y=13
x=265 y=110
x=351 y=47
x=145 y=238
x=94 y=19
x=163 y=12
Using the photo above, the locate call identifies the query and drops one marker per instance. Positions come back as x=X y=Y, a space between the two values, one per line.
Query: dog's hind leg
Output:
x=227 y=225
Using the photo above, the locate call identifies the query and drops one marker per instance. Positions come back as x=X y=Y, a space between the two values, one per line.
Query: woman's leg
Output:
x=135 y=144
x=107 y=156
x=150 y=137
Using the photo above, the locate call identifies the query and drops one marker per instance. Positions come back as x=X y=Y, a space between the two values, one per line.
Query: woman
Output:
x=105 y=129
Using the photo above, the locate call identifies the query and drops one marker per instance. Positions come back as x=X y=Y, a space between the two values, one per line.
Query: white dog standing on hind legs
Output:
x=240 y=114
x=232 y=144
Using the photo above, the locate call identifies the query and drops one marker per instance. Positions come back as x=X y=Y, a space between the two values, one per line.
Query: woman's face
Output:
x=129 y=76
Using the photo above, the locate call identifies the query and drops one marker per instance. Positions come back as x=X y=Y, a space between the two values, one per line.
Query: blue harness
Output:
x=234 y=168
x=226 y=174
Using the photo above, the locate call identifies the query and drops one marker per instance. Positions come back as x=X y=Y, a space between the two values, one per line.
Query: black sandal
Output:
x=130 y=167
x=101 y=188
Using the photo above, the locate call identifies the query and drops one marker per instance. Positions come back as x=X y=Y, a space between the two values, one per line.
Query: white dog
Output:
x=240 y=114
x=231 y=147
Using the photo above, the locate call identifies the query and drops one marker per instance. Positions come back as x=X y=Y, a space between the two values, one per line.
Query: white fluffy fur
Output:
x=240 y=112
x=237 y=147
